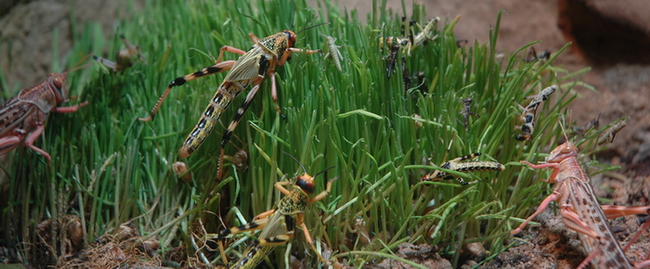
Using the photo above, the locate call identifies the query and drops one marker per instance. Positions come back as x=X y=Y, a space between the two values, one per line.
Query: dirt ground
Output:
x=612 y=41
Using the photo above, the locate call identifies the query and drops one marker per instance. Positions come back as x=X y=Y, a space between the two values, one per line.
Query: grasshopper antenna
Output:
x=566 y=137
x=313 y=26
x=324 y=171
x=294 y=158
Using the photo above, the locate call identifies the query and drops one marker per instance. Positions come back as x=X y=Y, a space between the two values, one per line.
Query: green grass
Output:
x=108 y=168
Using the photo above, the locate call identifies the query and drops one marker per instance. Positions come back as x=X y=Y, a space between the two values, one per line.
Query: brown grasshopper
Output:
x=466 y=112
x=610 y=133
x=581 y=211
x=22 y=117
x=278 y=225
x=251 y=68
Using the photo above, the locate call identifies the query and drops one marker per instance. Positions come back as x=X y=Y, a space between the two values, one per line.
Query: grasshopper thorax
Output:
x=563 y=152
x=306 y=183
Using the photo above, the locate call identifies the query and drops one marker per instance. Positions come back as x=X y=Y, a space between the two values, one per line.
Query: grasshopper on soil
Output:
x=278 y=225
x=581 y=211
x=22 y=116
x=251 y=68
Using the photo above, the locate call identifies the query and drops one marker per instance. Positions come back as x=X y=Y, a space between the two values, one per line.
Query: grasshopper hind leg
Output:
x=210 y=70
x=233 y=124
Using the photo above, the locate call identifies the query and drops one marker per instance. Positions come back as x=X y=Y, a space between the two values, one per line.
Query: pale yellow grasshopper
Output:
x=278 y=225
x=22 y=117
x=461 y=164
x=581 y=211
x=332 y=51
x=250 y=69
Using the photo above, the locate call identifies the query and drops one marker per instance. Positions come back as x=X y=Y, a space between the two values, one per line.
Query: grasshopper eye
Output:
x=292 y=38
x=57 y=83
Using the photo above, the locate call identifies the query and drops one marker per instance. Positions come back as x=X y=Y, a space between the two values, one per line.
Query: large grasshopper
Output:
x=251 y=68
x=581 y=211
x=22 y=116
x=278 y=225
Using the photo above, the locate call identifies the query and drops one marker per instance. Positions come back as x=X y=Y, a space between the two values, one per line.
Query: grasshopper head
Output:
x=57 y=81
x=306 y=183
x=562 y=152
x=291 y=38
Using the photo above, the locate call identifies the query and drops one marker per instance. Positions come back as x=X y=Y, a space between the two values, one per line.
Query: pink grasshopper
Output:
x=22 y=116
x=581 y=211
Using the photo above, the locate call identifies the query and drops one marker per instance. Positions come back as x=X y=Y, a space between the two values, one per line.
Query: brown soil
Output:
x=614 y=44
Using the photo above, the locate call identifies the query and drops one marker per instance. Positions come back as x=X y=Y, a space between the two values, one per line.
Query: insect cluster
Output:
x=22 y=121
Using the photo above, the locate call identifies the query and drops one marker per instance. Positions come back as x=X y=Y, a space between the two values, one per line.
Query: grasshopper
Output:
x=582 y=130
x=610 y=133
x=581 y=211
x=22 y=117
x=528 y=114
x=460 y=165
x=407 y=43
x=466 y=112
x=333 y=51
x=278 y=225
x=251 y=68
x=123 y=58
x=534 y=56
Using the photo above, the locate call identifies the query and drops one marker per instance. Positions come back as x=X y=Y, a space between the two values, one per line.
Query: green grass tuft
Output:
x=108 y=168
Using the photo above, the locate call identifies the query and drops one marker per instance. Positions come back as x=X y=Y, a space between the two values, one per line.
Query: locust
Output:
x=410 y=41
x=124 y=58
x=391 y=60
x=333 y=51
x=250 y=69
x=23 y=116
x=461 y=164
x=610 y=133
x=581 y=211
x=534 y=56
x=466 y=112
x=582 y=130
x=528 y=115
x=407 y=42
x=278 y=225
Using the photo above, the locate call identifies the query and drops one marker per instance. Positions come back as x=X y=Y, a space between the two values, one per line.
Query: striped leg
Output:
x=218 y=67
x=256 y=224
x=233 y=124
